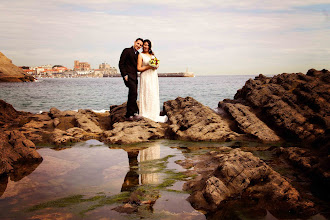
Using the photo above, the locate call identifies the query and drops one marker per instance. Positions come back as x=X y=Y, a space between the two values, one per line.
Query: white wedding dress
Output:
x=149 y=106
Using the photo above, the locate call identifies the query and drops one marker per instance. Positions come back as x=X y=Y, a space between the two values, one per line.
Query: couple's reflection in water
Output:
x=147 y=174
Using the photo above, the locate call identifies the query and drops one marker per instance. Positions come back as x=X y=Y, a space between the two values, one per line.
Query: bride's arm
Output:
x=141 y=68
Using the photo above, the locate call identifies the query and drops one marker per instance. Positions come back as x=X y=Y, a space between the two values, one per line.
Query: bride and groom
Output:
x=131 y=61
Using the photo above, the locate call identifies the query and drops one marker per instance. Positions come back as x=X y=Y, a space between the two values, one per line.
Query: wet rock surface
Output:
x=190 y=120
x=234 y=175
x=313 y=165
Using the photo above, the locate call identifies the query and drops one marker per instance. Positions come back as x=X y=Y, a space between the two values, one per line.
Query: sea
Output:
x=99 y=94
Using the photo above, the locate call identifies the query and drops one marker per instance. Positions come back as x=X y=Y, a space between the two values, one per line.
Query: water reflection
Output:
x=149 y=175
x=20 y=171
x=132 y=177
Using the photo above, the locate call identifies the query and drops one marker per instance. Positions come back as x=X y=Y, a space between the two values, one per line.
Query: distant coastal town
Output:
x=84 y=70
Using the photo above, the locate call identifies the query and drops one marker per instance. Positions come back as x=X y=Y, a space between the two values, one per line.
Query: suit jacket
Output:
x=128 y=64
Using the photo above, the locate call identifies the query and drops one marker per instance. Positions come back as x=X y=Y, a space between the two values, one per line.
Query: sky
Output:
x=210 y=37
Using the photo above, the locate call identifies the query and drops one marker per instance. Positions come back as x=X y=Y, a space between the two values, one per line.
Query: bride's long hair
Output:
x=149 y=43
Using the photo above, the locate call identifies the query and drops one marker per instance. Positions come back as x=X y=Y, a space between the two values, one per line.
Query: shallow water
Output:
x=84 y=180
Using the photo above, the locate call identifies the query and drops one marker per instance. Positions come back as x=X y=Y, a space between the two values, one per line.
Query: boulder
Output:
x=11 y=73
x=117 y=113
x=238 y=174
x=190 y=120
x=72 y=135
x=134 y=132
x=14 y=150
x=249 y=123
x=88 y=121
x=295 y=105
x=313 y=165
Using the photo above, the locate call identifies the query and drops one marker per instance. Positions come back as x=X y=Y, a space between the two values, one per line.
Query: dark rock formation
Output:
x=192 y=121
x=314 y=165
x=237 y=174
x=296 y=106
x=11 y=73
x=249 y=123
x=15 y=149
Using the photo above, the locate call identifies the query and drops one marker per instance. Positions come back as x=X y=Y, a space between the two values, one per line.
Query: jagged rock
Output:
x=62 y=127
x=15 y=149
x=315 y=166
x=56 y=113
x=190 y=120
x=295 y=105
x=249 y=123
x=72 y=135
x=134 y=132
x=11 y=73
x=87 y=120
x=117 y=113
x=224 y=176
x=127 y=132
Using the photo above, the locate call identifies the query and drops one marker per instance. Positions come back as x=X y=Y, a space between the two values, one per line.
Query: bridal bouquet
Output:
x=154 y=62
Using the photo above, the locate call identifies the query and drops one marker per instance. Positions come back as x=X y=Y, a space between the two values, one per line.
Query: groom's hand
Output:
x=126 y=78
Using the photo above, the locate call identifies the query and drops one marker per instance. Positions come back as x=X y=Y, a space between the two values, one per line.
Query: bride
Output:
x=149 y=105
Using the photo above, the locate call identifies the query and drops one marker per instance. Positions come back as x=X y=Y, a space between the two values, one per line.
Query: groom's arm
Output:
x=122 y=63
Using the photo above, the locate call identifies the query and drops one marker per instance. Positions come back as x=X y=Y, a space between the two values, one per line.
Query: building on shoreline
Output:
x=106 y=70
x=81 y=66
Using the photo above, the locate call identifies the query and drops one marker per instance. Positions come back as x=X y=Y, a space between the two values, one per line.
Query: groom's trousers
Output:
x=132 y=107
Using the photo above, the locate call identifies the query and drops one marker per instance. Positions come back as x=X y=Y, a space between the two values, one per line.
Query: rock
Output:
x=126 y=208
x=238 y=174
x=316 y=167
x=71 y=135
x=55 y=113
x=87 y=120
x=134 y=132
x=296 y=106
x=127 y=132
x=192 y=121
x=7 y=111
x=249 y=123
x=117 y=113
x=11 y=73
x=15 y=149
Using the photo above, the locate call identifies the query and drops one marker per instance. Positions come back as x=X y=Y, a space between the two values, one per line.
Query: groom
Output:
x=128 y=70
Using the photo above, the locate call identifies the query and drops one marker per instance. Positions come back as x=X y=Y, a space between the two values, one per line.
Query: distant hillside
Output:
x=11 y=73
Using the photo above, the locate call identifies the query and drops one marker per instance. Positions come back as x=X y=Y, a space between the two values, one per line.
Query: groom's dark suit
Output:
x=128 y=67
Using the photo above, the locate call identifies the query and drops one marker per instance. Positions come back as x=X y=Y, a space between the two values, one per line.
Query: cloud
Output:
x=210 y=37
